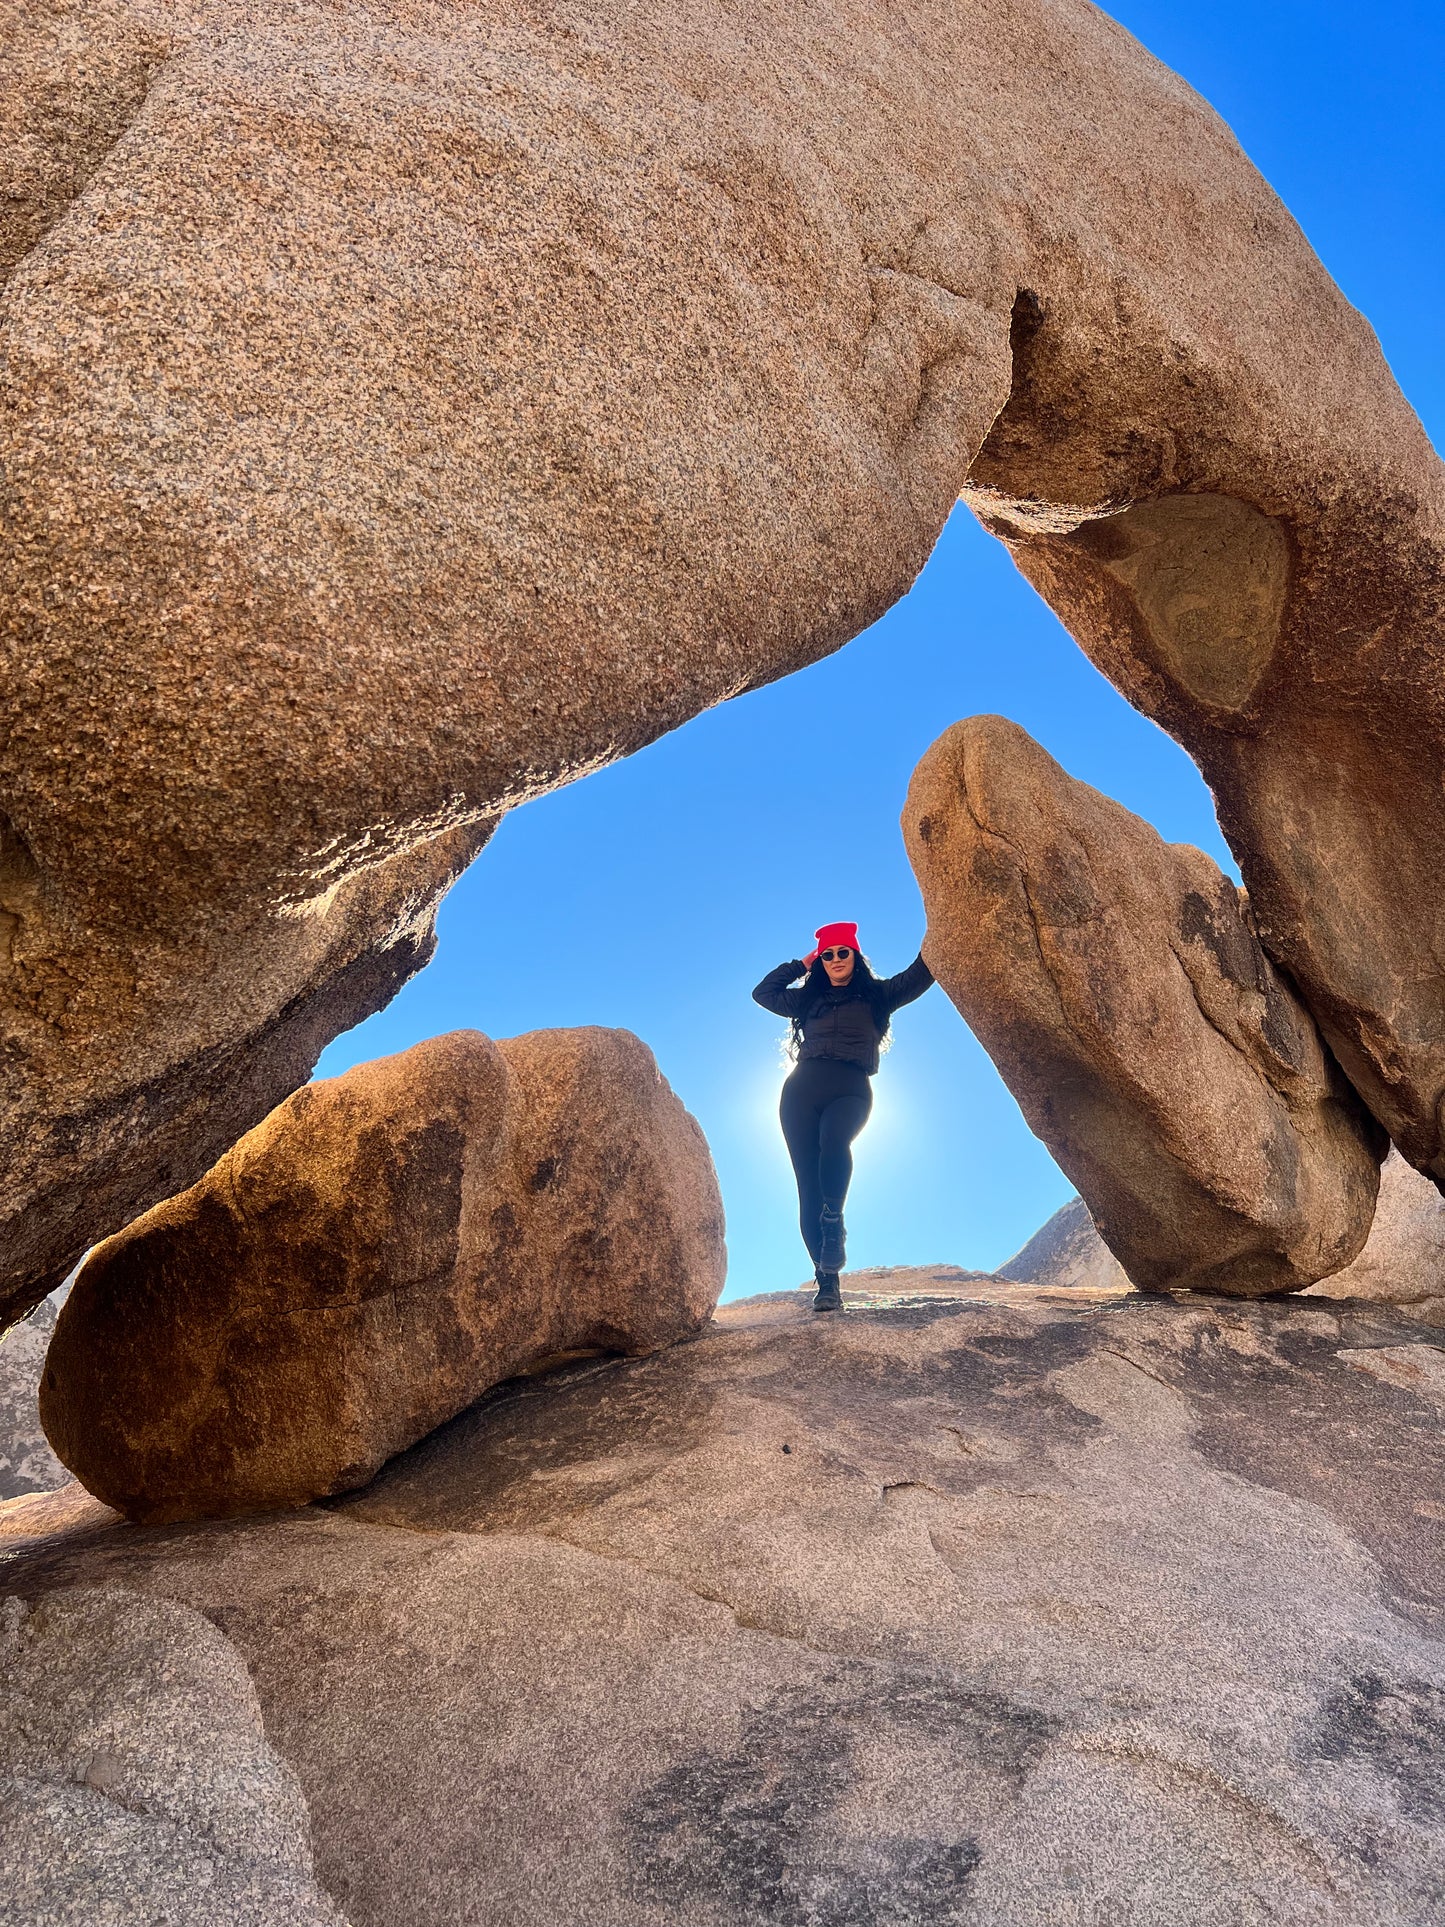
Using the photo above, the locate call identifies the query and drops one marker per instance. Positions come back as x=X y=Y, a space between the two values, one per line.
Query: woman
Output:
x=840 y=1018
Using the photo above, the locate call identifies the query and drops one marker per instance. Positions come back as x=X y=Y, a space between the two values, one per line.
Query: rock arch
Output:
x=406 y=408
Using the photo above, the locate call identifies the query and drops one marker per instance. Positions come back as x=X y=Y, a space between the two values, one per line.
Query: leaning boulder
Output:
x=372 y=1258
x=137 y=1784
x=1117 y=983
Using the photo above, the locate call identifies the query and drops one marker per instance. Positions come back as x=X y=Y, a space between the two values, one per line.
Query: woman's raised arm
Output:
x=907 y=985
x=773 y=993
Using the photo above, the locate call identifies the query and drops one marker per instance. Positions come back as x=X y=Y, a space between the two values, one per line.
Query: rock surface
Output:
x=986 y=1615
x=136 y=1782
x=1117 y=983
x=375 y=1255
x=898 y=1287
x=1065 y=1254
x=27 y=1463
x=499 y=389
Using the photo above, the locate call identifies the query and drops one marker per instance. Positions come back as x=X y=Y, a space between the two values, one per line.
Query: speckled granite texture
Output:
x=408 y=406
x=1060 y=1608
x=137 y=1786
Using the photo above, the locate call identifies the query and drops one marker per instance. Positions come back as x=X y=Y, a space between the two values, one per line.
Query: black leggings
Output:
x=825 y=1104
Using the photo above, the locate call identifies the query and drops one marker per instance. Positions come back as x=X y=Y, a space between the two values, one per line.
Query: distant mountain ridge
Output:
x=1066 y=1251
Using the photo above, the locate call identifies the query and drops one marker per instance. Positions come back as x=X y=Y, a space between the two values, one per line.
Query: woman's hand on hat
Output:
x=811 y=958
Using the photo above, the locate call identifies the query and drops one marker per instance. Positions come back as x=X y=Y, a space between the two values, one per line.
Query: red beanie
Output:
x=837 y=933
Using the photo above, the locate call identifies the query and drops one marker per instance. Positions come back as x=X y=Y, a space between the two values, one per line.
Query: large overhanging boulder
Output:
x=1118 y=985
x=375 y=1256
x=407 y=407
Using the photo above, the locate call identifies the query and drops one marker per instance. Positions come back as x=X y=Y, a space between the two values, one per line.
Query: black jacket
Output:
x=842 y=1023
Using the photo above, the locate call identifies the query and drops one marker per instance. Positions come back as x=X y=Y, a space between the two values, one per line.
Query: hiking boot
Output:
x=829 y=1297
x=830 y=1241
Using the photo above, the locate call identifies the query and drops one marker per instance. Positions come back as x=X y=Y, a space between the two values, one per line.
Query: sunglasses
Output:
x=840 y=955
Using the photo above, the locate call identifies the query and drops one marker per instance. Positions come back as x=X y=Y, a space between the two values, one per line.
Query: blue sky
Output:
x=654 y=894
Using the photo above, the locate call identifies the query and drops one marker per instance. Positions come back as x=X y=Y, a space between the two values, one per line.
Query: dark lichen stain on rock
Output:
x=1397 y=1727
x=756 y=1834
x=1219 y=928
x=1276 y=1406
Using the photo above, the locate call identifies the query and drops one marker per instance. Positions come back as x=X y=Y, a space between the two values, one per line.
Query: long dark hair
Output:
x=861 y=984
